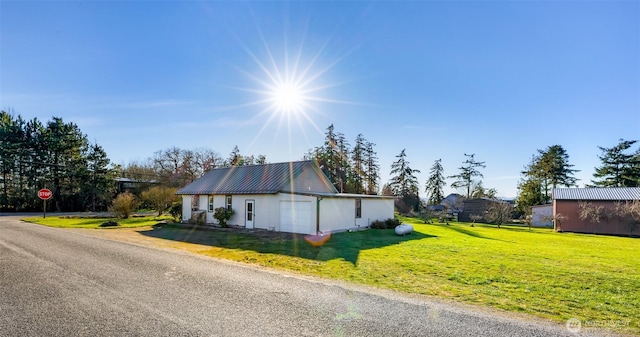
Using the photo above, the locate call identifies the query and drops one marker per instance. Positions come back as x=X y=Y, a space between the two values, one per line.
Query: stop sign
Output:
x=44 y=194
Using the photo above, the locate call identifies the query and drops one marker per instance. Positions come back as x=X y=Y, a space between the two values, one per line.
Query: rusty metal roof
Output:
x=300 y=177
x=605 y=193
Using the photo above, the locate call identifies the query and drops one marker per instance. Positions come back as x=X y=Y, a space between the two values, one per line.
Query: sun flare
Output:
x=288 y=98
x=291 y=83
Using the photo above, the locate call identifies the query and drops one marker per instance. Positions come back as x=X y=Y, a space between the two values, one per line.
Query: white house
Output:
x=294 y=197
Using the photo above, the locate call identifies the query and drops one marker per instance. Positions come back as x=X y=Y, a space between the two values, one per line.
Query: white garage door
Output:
x=295 y=217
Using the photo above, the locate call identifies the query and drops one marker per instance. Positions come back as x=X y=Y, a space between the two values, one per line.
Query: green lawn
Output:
x=95 y=222
x=593 y=278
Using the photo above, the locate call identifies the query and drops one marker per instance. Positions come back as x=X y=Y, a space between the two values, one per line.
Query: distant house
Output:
x=477 y=206
x=133 y=185
x=541 y=215
x=453 y=202
x=566 y=203
x=294 y=197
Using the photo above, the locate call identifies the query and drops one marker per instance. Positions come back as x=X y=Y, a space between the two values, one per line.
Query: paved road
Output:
x=56 y=282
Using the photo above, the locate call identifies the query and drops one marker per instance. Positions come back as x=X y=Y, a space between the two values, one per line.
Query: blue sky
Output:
x=496 y=78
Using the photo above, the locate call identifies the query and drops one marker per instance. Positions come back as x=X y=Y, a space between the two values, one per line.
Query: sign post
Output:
x=44 y=194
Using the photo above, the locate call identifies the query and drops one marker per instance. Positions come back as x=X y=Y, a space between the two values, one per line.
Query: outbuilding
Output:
x=295 y=197
x=542 y=215
x=613 y=220
x=477 y=207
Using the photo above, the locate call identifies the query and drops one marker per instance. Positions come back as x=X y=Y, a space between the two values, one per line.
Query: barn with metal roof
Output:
x=610 y=210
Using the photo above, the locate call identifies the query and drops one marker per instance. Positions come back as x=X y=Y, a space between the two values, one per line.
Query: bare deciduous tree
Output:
x=590 y=212
x=558 y=219
x=474 y=218
x=500 y=213
x=159 y=197
x=630 y=212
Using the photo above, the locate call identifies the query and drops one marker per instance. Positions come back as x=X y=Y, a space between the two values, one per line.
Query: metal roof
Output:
x=301 y=176
x=606 y=193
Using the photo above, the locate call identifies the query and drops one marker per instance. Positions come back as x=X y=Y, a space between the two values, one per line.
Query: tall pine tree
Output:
x=404 y=184
x=435 y=183
x=468 y=172
x=619 y=168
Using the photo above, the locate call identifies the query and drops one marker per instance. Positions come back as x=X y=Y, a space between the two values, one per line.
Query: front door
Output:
x=250 y=214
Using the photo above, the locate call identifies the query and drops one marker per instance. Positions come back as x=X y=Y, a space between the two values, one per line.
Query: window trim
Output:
x=210 y=202
x=358 y=208
x=228 y=201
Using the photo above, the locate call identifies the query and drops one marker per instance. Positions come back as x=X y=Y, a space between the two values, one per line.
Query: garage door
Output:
x=295 y=217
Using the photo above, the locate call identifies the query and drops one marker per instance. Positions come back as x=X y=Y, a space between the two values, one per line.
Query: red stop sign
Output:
x=44 y=194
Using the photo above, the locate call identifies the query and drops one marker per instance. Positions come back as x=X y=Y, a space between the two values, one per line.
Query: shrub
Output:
x=123 y=205
x=159 y=198
x=222 y=214
x=176 y=211
x=110 y=223
x=385 y=224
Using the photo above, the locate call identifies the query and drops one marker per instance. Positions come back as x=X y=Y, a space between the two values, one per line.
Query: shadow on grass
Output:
x=345 y=245
x=465 y=231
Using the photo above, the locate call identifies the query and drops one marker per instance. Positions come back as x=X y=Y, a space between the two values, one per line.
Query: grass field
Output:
x=95 y=222
x=595 y=279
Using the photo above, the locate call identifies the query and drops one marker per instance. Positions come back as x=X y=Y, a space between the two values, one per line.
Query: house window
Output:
x=211 y=203
x=358 y=208
x=228 y=202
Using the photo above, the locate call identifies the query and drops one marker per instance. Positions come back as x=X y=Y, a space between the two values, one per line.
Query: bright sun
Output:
x=290 y=85
x=288 y=98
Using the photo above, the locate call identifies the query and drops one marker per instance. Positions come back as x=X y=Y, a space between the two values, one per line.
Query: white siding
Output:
x=262 y=209
x=339 y=214
x=376 y=209
x=538 y=214
x=336 y=213
x=186 y=208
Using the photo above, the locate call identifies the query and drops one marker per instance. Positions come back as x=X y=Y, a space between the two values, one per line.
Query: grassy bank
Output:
x=96 y=221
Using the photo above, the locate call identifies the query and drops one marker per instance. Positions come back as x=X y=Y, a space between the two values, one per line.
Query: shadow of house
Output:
x=345 y=245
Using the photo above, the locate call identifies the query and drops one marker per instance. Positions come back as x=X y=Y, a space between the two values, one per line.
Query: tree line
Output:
x=549 y=168
x=58 y=156
x=54 y=155
x=350 y=169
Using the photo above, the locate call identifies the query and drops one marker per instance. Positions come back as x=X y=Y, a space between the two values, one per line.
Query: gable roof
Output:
x=605 y=193
x=301 y=176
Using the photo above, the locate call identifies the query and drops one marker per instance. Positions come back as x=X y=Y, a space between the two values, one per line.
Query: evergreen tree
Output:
x=551 y=167
x=235 y=158
x=99 y=188
x=56 y=156
x=479 y=191
x=358 y=164
x=344 y=173
x=350 y=170
x=619 y=168
x=468 y=171
x=435 y=183
x=529 y=194
x=371 y=168
x=404 y=184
